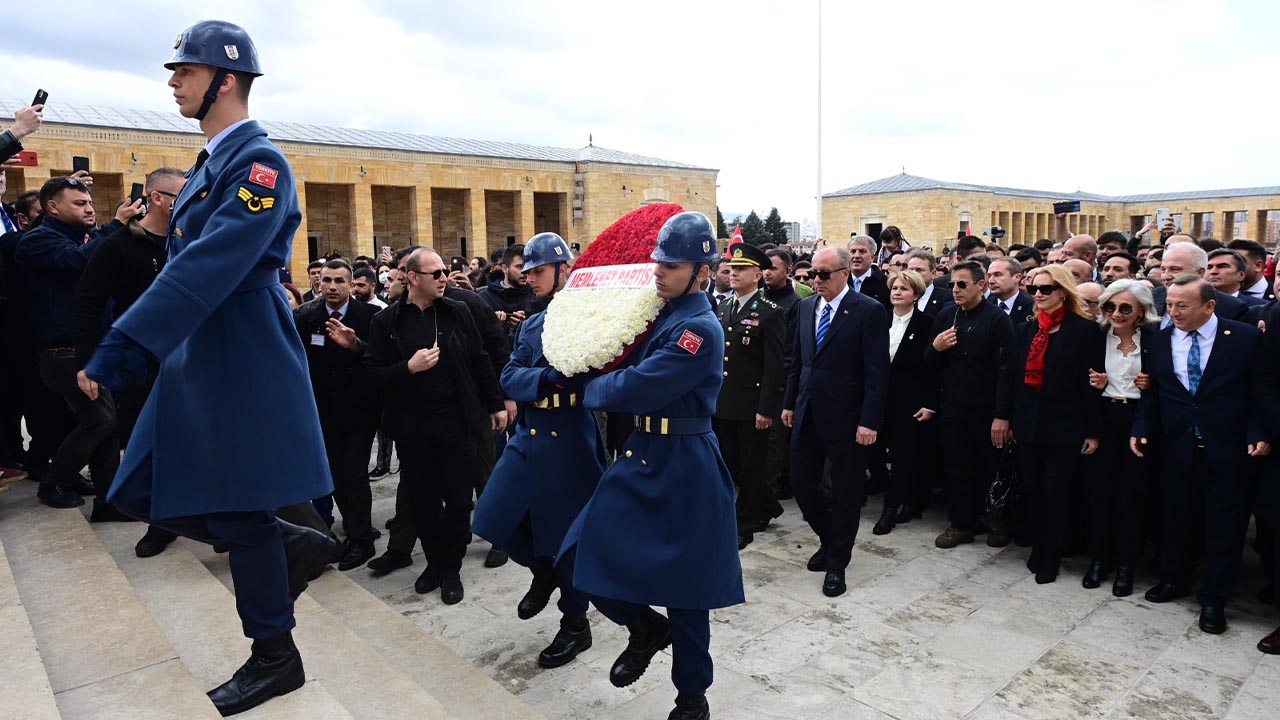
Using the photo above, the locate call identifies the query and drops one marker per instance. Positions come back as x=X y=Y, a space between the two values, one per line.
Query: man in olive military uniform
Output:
x=755 y=333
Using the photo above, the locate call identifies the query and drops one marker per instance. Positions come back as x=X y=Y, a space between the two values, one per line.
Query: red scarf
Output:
x=1034 y=375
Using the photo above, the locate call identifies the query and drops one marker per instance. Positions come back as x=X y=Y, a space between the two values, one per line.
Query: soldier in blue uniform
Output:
x=551 y=466
x=230 y=431
x=661 y=527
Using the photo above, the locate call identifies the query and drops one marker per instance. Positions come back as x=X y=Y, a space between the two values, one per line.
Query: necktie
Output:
x=1193 y=363
x=733 y=306
x=8 y=223
x=824 y=322
x=204 y=155
x=335 y=315
x=857 y=286
x=1008 y=308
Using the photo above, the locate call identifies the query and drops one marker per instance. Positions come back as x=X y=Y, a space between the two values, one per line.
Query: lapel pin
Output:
x=1226 y=332
x=844 y=312
x=912 y=336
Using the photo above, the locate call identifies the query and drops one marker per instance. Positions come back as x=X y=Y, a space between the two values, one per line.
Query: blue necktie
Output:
x=8 y=224
x=824 y=322
x=857 y=285
x=1193 y=363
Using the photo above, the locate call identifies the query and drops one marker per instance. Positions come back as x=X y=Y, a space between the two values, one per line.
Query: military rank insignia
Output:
x=255 y=203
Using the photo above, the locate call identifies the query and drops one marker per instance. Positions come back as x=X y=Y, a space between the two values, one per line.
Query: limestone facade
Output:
x=356 y=200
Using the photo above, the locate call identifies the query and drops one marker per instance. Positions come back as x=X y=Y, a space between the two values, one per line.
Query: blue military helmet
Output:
x=217 y=43
x=686 y=237
x=544 y=249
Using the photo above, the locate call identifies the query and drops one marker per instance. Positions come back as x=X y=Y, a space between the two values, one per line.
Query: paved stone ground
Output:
x=922 y=633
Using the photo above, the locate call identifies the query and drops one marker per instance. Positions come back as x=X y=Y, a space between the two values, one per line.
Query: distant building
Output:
x=793 y=231
x=932 y=212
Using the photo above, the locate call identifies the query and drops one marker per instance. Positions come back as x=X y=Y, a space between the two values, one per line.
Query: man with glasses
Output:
x=972 y=353
x=834 y=403
x=802 y=274
x=439 y=391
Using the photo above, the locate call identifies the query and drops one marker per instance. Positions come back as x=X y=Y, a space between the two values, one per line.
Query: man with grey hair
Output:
x=1188 y=258
x=1208 y=423
x=864 y=276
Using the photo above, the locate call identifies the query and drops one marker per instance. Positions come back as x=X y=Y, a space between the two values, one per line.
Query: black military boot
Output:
x=650 y=633
x=306 y=551
x=274 y=668
x=544 y=583
x=573 y=638
x=356 y=553
x=691 y=707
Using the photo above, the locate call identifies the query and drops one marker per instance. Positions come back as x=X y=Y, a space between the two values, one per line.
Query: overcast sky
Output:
x=1109 y=96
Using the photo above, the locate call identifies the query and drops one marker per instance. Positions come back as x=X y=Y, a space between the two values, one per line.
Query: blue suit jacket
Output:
x=844 y=383
x=231 y=424
x=1222 y=409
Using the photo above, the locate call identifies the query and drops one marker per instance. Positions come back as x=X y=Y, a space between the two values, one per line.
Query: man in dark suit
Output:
x=935 y=297
x=1201 y=371
x=1184 y=256
x=1255 y=282
x=864 y=277
x=1226 y=273
x=1267 y=501
x=834 y=404
x=755 y=330
x=335 y=331
x=1004 y=278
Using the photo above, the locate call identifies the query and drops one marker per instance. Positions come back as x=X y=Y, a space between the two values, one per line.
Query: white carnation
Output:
x=586 y=329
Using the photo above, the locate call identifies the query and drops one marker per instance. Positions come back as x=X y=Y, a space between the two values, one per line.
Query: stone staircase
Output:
x=92 y=631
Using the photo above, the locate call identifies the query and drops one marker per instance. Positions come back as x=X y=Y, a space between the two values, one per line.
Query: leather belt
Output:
x=672 y=426
x=1119 y=401
x=556 y=400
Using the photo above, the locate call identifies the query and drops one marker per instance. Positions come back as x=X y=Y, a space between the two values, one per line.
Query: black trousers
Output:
x=908 y=484
x=746 y=452
x=1047 y=474
x=47 y=415
x=835 y=522
x=1204 y=511
x=777 y=475
x=1117 y=483
x=348 y=445
x=970 y=465
x=93 y=440
x=438 y=469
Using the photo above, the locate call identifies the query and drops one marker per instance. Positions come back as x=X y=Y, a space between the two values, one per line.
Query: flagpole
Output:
x=818 y=186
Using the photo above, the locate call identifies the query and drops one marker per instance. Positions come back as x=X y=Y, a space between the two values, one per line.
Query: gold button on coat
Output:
x=533 y=431
x=629 y=453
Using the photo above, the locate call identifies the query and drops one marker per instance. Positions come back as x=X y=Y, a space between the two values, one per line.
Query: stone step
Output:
x=196 y=608
x=104 y=654
x=464 y=690
x=198 y=615
x=26 y=693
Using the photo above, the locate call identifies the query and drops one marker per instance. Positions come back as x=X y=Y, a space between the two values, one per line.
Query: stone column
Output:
x=1227 y=231
x=1197 y=224
x=421 y=224
x=1014 y=234
x=299 y=259
x=477 y=232
x=526 y=223
x=362 y=242
x=1257 y=226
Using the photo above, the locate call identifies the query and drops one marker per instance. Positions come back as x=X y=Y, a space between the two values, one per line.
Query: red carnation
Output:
x=629 y=240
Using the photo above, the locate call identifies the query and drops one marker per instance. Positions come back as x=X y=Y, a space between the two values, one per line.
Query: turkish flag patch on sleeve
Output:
x=262 y=175
x=689 y=342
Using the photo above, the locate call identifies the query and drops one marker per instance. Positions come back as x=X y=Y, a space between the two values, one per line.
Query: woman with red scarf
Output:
x=1056 y=411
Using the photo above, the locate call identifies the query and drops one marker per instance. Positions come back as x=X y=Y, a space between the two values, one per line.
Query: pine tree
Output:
x=722 y=231
x=776 y=230
x=753 y=230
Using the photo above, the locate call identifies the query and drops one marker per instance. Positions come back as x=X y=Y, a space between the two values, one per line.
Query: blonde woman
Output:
x=1056 y=412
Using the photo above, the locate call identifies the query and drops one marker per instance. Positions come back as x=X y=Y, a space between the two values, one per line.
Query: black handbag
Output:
x=1004 y=494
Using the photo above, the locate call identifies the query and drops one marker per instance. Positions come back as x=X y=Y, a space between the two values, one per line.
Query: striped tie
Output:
x=824 y=322
x=1193 y=363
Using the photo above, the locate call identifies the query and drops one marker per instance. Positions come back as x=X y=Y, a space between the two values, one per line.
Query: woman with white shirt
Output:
x=910 y=403
x=1117 y=478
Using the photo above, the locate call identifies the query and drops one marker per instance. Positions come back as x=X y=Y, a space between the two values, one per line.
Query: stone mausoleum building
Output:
x=363 y=189
x=932 y=212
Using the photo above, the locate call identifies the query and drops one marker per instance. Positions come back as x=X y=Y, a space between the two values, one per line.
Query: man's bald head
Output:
x=1080 y=270
x=1081 y=247
x=1090 y=292
x=1179 y=238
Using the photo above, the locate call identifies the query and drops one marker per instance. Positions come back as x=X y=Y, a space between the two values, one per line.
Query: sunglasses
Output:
x=435 y=274
x=962 y=284
x=825 y=275
x=166 y=194
x=802 y=278
x=1124 y=308
x=1041 y=289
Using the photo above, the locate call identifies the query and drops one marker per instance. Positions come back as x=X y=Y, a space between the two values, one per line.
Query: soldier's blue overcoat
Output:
x=551 y=466
x=231 y=424
x=661 y=528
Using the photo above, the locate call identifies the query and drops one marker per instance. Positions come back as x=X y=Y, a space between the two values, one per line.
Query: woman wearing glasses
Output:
x=1056 y=411
x=1117 y=478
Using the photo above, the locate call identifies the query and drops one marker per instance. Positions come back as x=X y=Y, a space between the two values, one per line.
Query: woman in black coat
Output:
x=1056 y=411
x=911 y=400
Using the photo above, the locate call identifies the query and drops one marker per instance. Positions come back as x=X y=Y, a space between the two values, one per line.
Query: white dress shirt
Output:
x=923 y=302
x=1182 y=346
x=835 y=308
x=1258 y=289
x=1123 y=369
x=897 y=330
x=375 y=301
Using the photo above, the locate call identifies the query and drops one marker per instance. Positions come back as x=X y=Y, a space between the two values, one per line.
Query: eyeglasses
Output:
x=1041 y=289
x=962 y=284
x=169 y=194
x=897 y=264
x=1124 y=308
x=802 y=278
x=435 y=274
x=826 y=274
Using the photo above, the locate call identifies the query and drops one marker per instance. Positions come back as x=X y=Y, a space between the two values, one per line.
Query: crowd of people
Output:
x=1114 y=398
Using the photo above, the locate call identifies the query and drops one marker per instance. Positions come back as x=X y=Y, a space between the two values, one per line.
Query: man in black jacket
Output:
x=778 y=289
x=972 y=352
x=335 y=331
x=125 y=265
x=864 y=277
x=25 y=121
x=510 y=295
x=439 y=392
x=51 y=258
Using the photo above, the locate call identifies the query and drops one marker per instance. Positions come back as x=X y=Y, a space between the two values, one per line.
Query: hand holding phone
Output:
x=80 y=163
x=41 y=98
